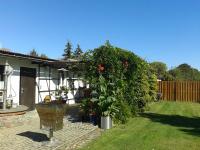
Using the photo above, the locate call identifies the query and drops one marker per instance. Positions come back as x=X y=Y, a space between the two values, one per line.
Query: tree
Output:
x=44 y=56
x=107 y=43
x=78 y=52
x=160 y=69
x=185 y=72
x=68 y=51
x=34 y=53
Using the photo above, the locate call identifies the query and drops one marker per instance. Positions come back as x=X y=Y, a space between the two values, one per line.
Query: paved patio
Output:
x=23 y=133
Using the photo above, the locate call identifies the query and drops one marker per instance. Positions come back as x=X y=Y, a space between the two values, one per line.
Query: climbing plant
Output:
x=121 y=82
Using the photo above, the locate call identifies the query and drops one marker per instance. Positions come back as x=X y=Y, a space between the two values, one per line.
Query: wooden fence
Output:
x=188 y=91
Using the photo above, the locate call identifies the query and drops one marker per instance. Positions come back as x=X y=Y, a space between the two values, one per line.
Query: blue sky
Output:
x=157 y=30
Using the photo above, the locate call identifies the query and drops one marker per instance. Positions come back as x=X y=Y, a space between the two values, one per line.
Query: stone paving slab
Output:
x=83 y=140
x=28 y=136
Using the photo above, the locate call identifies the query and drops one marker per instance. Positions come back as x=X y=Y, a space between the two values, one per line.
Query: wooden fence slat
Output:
x=198 y=92
x=195 y=91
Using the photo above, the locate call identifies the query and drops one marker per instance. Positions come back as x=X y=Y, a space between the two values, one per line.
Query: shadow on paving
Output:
x=73 y=114
x=38 y=137
x=190 y=125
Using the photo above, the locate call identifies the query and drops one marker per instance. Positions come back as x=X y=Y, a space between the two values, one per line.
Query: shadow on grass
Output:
x=38 y=137
x=190 y=125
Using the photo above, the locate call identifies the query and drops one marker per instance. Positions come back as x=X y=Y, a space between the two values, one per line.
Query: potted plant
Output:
x=107 y=111
x=64 y=93
x=89 y=109
x=106 y=104
x=85 y=107
x=61 y=94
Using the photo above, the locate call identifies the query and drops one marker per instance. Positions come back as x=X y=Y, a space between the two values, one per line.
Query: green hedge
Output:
x=122 y=83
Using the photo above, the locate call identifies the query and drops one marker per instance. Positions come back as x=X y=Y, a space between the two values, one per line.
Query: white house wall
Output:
x=13 y=85
x=45 y=83
x=77 y=83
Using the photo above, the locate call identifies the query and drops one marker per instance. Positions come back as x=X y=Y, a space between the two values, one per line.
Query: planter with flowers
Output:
x=61 y=94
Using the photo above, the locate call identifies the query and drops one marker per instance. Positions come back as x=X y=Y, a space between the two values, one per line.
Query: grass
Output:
x=166 y=126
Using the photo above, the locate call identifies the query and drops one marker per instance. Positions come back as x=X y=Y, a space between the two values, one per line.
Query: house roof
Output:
x=39 y=60
x=7 y=52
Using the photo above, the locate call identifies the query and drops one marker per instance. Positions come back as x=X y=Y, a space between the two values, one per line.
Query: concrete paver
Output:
x=25 y=134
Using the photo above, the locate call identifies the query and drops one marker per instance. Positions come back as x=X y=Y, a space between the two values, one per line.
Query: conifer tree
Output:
x=68 y=51
x=78 y=52
x=33 y=53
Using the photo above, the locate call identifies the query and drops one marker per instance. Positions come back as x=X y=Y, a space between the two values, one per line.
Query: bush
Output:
x=122 y=81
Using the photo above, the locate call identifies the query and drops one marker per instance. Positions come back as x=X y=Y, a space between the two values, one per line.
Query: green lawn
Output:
x=166 y=126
